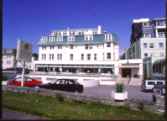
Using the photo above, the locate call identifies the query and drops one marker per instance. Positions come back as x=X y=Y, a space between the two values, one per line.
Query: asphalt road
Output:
x=15 y=115
x=134 y=92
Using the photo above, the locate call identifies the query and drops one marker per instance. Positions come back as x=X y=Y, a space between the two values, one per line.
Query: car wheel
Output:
x=80 y=90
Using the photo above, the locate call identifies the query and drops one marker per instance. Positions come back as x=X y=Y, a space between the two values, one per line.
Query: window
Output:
x=94 y=33
x=159 y=83
x=59 y=47
x=147 y=35
x=151 y=83
x=43 y=47
x=86 y=47
x=43 y=56
x=59 y=56
x=82 y=56
x=161 y=45
x=161 y=34
x=8 y=62
x=52 y=56
x=108 y=55
x=90 y=47
x=88 y=56
x=51 y=47
x=151 y=45
x=65 y=33
x=145 y=45
x=95 y=56
x=86 y=38
x=80 y=33
x=146 y=24
x=71 y=57
x=145 y=54
x=108 y=44
x=161 y=23
x=71 y=46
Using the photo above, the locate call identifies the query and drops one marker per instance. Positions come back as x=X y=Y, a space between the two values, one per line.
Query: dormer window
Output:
x=108 y=44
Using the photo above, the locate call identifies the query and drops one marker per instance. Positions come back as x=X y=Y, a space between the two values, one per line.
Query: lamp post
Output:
x=23 y=71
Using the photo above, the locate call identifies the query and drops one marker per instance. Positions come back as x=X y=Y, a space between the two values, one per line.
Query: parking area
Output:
x=134 y=92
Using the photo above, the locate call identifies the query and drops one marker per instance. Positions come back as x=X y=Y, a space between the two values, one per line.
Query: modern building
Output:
x=8 y=58
x=148 y=42
x=87 y=50
x=159 y=69
x=148 y=39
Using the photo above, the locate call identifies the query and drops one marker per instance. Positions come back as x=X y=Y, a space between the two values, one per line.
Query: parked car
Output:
x=70 y=85
x=148 y=85
x=28 y=82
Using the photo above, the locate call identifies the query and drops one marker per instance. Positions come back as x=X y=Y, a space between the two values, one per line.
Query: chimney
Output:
x=99 y=29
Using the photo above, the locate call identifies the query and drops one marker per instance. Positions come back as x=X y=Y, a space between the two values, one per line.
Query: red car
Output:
x=28 y=82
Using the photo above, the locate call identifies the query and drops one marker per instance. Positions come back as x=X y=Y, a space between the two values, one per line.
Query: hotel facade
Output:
x=84 y=50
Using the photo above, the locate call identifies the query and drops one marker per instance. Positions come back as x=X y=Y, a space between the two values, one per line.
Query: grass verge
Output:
x=53 y=108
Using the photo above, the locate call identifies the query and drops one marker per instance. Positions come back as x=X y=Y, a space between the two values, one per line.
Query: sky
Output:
x=31 y=19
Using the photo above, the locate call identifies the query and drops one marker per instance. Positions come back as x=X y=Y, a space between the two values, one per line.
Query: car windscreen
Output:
x=159 y=83
x=151 y=83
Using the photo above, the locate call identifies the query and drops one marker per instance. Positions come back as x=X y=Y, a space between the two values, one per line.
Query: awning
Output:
x=75 y=66
x=129 y=66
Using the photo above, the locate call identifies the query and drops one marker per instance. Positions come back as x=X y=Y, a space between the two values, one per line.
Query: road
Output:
x=134 y=92
x=15 y=115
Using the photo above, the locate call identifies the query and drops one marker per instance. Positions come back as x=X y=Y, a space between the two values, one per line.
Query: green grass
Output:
x=53 y=108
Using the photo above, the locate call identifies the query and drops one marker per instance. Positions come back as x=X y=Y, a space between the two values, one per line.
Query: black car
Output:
x=70 y=85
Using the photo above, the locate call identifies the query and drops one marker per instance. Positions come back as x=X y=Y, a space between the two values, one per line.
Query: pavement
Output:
x=8 y=114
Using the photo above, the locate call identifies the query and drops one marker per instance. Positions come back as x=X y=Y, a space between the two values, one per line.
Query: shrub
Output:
x=60 y=97
x=140 y=106
x=4 y=78
x=119 y=87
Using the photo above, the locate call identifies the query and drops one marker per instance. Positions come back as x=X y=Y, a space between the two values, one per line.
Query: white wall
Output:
x=156 y=50
x=8 y=61
x=77 y=51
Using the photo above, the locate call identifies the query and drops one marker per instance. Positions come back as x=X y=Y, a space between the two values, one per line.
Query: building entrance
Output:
x=126 y=72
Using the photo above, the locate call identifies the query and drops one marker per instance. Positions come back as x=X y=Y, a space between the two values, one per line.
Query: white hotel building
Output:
x=87 y=50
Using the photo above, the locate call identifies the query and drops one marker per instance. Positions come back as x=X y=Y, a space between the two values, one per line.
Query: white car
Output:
x=148 y=85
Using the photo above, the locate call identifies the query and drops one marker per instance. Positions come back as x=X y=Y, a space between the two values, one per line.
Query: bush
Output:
x=140 y=106
x=119 y=87
x=60 y=97
x=4 y=78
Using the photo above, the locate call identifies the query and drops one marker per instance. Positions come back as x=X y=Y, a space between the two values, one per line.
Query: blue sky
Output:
x=30 y=19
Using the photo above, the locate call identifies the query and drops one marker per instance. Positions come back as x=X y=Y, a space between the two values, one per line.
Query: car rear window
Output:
x=151 y=83
x=159 y=82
